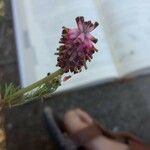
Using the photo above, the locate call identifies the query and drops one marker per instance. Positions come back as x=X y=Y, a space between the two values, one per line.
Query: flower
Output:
x=77 y=46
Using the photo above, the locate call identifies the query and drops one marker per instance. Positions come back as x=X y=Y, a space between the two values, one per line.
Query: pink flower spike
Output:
x=77 y=46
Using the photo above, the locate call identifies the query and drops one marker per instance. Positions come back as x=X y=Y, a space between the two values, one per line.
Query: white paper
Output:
x=127 y=28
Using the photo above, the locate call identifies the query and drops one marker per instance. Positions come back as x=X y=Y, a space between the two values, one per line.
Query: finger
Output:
x=84 y=116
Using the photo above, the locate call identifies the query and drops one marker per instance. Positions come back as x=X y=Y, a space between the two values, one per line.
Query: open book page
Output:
x=44 y=25
x=127 y=28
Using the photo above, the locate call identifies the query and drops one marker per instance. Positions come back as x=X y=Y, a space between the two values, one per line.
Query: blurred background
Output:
x=121 y=106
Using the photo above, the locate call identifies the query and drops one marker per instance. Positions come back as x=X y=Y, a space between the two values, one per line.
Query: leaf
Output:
x=39 y=93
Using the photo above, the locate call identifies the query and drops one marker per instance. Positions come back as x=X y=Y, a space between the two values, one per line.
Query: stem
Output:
x=34 y=85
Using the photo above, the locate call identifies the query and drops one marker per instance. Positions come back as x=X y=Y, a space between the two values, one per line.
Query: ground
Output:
x=120 y=106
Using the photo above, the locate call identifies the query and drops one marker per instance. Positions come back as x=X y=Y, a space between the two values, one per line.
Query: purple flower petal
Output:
x=77 y=46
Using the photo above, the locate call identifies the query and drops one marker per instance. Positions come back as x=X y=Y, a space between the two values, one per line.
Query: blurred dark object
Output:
x=8 y=58
x=54 y=125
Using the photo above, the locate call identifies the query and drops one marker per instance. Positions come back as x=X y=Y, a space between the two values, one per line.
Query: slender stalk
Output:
x=34 y=85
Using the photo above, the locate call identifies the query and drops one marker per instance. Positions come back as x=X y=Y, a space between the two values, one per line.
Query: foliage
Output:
x=45 y=90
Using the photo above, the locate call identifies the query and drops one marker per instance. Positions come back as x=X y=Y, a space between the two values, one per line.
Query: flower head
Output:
x=77 y=46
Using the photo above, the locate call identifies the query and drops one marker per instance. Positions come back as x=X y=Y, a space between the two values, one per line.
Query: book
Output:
x=123 y=34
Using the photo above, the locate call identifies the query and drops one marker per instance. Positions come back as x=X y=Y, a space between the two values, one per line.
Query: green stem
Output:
x=34 y=85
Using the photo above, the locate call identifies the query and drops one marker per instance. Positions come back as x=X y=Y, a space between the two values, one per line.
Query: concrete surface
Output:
x=119 y=106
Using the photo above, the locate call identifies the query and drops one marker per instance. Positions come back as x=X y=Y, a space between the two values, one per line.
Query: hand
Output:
x=77 y=120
